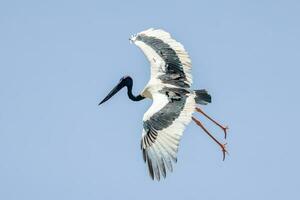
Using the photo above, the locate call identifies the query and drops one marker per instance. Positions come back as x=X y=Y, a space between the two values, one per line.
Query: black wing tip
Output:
x=150 y=167
x=158 y=171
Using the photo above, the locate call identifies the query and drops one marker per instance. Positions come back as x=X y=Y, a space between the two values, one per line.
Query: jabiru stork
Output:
x=174 y=101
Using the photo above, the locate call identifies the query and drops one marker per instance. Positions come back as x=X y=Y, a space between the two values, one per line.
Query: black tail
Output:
x=202 y=97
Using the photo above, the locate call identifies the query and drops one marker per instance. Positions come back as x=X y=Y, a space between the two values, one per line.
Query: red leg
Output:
x=214 y=121
x=223 y=146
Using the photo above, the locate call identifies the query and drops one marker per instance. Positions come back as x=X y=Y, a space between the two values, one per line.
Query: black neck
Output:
x=129 y=84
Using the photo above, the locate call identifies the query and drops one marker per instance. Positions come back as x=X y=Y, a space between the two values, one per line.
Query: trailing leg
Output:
x=214 y=121
x=223 y=146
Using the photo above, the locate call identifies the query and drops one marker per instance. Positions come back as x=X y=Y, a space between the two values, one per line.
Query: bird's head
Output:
x=124 y=81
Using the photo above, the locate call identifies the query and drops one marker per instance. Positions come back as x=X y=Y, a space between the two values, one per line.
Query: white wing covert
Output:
x=163 y=126
x=173 y=103
x=170 y=63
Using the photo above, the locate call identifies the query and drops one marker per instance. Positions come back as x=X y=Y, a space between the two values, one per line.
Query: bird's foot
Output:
x=224 y=150
x=225 y=131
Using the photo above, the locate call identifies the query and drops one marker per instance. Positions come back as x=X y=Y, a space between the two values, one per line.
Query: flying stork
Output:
x=174 y=101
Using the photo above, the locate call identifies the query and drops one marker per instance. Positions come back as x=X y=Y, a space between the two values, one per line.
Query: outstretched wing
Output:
x=170 y=63
x=163 y=126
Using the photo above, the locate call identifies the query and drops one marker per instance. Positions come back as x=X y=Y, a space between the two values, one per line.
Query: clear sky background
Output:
x=58 y=59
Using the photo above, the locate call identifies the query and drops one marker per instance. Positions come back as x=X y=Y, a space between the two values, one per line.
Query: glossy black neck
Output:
x=128 y=83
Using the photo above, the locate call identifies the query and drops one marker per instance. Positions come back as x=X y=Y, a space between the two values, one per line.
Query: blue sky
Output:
x=58 y=59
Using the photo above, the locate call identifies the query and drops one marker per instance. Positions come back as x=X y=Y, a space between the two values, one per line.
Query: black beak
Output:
x=116 y=89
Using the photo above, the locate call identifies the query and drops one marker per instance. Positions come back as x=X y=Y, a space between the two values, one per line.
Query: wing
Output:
x=170 y=63
x=163 y=126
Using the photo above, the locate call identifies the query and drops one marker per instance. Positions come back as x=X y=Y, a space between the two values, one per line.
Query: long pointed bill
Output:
x=113 y=92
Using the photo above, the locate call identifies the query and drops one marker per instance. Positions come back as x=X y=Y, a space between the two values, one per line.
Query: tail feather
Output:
x=202 y=97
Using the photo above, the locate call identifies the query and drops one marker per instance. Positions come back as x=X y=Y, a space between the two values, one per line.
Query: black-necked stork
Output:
x=174 y=101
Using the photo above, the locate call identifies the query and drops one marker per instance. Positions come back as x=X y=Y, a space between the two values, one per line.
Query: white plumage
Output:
x=174 y=101
x=156 y=62
x=165 y=147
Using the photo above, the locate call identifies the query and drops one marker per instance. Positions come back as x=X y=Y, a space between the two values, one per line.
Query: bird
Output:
x=174 y=102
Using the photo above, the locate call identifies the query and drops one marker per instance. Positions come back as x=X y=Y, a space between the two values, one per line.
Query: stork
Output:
x=174 y=101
